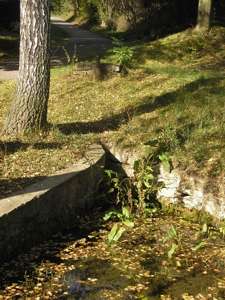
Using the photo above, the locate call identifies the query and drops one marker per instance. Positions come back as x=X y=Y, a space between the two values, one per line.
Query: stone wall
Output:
x=191 y=191
x=179 y=188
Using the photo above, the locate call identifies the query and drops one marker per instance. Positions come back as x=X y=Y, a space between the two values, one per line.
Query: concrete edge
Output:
x=51 y=205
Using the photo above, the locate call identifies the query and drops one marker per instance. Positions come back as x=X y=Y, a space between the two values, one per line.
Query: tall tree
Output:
x=204 y=14
x=76 y=7
x=29 y=109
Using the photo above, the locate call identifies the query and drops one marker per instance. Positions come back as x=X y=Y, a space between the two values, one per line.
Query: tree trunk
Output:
x=76 y=7
x=29 y=109
x=204 y=14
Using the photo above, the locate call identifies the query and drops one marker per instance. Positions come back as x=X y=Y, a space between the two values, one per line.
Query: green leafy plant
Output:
x=172 y=250
x=133 y=196
x=124 y=216
x=199 y=245
x=115 y=233
x=121 y=187
x=222 y=230
x=205 y=229
x=174 y=239
x=125 y=221
x=167 y=139
x=146 y=187
x=123 y=55
x=175 y=244
x=165 y=160
x=204 y=233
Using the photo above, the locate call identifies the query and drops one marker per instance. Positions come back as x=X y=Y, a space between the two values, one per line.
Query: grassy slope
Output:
x=173 y=101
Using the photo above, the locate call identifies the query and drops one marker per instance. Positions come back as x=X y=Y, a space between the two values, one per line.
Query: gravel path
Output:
x=81 y=43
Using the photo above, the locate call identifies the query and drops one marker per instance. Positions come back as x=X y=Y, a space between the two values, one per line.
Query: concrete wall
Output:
x=49 y=206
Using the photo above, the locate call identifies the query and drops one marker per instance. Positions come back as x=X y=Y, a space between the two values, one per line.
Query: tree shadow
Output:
x=190 y=42
x=11 y=147
x=162 y=52
x=12 y=185
x=15 y=186
x=149 y=104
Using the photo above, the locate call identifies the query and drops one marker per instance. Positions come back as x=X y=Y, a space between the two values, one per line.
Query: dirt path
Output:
x=80 y=43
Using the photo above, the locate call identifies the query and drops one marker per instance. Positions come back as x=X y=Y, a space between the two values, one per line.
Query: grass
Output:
x=172 y=100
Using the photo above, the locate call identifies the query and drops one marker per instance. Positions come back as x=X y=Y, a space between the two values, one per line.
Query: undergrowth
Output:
x=133 y=197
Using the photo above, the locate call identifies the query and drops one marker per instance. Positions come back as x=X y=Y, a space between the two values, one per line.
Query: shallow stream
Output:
x=144 y=264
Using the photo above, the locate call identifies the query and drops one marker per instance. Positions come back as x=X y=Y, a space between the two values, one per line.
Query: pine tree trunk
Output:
x=204 y=14
x=29 y=109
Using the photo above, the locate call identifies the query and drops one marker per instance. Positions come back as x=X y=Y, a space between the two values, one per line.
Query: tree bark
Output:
x=204 y=14
x=29 y=109
x=76 y=7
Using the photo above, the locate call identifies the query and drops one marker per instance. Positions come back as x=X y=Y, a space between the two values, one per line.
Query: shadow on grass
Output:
x=202 y=85
x=148 y=105
x=16 y=185
x=11 y=147
x=8 y=186
x=159 y=51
